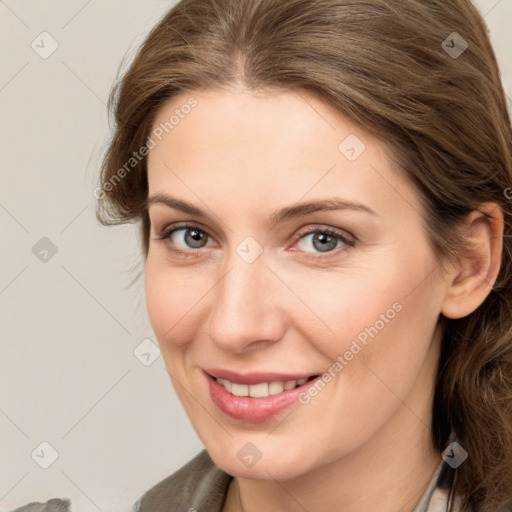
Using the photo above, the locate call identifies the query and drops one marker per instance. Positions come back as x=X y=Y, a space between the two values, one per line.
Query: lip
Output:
x=250 y=409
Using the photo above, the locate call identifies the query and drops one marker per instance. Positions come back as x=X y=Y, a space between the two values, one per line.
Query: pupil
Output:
x=194 y=236
x=323 y=237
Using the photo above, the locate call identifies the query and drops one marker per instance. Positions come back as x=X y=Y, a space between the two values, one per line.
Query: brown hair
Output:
x=383 y=63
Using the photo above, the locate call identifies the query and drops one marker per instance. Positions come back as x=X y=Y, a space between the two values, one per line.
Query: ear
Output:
x=476 y=270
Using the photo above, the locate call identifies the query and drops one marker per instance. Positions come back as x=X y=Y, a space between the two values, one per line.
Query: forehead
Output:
x=278 y=146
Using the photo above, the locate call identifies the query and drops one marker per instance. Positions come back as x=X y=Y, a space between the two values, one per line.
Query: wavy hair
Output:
x=396 y=68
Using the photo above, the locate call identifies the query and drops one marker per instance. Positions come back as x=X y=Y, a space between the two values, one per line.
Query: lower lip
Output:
x=254 y=410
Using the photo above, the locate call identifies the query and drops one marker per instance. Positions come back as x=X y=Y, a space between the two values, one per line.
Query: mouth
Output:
x=255 y=397
x=262 y=389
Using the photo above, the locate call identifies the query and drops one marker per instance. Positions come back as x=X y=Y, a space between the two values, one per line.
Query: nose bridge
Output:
x=243 y=308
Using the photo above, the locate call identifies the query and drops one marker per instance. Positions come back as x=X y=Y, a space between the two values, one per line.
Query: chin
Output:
x=275 y=466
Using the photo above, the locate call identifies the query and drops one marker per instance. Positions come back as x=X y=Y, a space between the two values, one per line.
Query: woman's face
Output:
x=350 y=294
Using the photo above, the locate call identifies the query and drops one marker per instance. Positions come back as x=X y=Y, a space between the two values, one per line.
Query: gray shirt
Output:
x=201 y=486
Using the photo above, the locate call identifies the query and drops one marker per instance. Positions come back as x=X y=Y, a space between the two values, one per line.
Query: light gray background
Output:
x=69 y=326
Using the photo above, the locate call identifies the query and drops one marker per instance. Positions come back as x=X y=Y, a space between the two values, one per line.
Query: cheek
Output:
x=170 y=298
x=382 y=312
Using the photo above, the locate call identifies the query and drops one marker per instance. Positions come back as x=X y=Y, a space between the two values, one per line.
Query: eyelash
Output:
x=348 y=241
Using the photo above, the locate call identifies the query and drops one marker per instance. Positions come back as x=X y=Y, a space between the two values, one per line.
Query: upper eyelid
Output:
x=185 y=225
x=302 y=231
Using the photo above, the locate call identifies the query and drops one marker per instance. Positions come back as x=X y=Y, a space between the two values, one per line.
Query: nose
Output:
x=247 y=306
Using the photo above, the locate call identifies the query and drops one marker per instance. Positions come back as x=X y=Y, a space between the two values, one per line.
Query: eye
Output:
x=188 y=237
x=324 y=240
x=187 y=240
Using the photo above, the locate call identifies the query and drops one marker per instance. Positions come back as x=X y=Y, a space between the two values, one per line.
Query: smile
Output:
x=255 y=397
x=263 y=389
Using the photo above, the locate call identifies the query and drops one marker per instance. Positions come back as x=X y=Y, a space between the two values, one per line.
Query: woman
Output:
x=323 y=189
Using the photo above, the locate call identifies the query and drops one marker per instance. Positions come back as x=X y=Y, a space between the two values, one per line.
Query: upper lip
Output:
x=255 y=377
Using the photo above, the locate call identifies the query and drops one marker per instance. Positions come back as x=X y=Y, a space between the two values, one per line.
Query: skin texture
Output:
x=363 y=443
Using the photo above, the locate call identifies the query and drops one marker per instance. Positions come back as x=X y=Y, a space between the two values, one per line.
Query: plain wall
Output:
x=68 y=324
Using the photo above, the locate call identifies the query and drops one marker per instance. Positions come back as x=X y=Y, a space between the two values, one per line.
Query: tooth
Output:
x=258 y=390
x=261 y=390
x=225 y=383
x=275 y=387
x=289 y=384
x=239 y=389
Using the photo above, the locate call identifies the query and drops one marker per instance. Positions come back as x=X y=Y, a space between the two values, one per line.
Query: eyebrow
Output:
x=283 y=214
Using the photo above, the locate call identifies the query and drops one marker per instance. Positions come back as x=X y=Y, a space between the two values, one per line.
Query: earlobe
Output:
x=476 y=270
